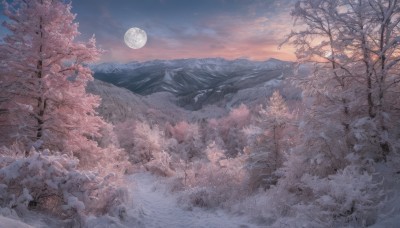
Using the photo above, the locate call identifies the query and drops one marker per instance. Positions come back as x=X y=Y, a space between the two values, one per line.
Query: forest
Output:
x=322 y=150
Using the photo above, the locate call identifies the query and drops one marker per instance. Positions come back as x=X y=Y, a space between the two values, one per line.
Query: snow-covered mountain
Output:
x=119 y=105
x=194 y=82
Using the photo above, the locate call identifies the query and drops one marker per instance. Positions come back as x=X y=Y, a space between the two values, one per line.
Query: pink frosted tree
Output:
x=276 y=117
x=188 y=138
x=44 y=76
x=268 y=141
x=230 y=129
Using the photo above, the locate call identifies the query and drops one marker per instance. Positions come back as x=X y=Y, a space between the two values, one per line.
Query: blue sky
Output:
x=187 y=28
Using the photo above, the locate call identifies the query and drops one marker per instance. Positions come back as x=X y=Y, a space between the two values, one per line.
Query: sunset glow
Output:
x=185 y=29
x=199 y=113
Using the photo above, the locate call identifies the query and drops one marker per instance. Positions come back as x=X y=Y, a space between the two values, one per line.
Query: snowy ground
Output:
x=154 y=207
x=11 y=223
x=151 y=206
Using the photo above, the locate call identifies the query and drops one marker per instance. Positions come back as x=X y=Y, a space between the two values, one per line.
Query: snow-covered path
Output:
x=153 y=207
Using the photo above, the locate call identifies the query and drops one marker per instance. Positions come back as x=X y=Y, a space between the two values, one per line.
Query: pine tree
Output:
x=268 y=151
x=44 y=75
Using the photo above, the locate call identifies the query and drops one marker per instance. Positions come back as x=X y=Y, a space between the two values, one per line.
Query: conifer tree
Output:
x=268 y=151
x=44 y=75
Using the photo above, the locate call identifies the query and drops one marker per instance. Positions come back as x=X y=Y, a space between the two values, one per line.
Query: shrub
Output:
x=188 y=138
x=213 y=184
x=51 y=183
x=350 y=196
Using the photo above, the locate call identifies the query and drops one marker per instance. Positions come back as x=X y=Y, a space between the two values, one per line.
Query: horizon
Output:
x=178 y=29
x=192 y=109
x=182 y=59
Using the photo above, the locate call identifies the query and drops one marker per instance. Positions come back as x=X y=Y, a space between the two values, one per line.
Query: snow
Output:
x=168 y=76
x=249 y=76
x=196 y=98
x=200 y=94
x=155 y=207
x=273 y=83
x=151 y=206
x=114 y=67
x=170 y=73
x=390 y=212
x=388 y=222
x=11 y=223
x=208 y=64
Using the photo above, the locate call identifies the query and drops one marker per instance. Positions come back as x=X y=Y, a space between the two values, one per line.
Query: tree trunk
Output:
x=42 y=102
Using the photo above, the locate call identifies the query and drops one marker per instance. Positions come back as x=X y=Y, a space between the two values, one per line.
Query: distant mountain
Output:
x=119 y=105
x=194 y=82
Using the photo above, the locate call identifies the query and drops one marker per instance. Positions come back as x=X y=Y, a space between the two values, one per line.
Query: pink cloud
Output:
x=226 y=37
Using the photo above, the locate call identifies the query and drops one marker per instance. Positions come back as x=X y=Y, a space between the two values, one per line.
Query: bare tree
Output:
x=354 y=45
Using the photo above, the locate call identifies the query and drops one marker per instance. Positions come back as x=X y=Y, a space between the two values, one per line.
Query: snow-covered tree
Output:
x=354 y=45
x=188 y=140
x=374 y=27
x=276 y=117
x=330 y=173
x=148 y=140
x=44 y=75
x=230 y=129
x=146 y=145
x=267 y=146
x=214 y=183
x=50 y=182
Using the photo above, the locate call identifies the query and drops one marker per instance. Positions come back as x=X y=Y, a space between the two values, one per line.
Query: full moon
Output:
x=135 y=38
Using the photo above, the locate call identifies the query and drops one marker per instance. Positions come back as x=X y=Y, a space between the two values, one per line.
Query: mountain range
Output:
x=196 y=82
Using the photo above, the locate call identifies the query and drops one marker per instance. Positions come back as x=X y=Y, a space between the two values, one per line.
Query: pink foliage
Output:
x=238 y=117
x=45 y=76
x=183 y=130
x=188 y=138
x=216 y=183
x=229 y=129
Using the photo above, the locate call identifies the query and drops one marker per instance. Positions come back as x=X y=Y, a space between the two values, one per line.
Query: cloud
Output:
x=252 y=30
x=231 y=38
x=187 y=29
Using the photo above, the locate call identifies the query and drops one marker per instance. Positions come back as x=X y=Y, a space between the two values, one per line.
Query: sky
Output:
x=176 y=29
